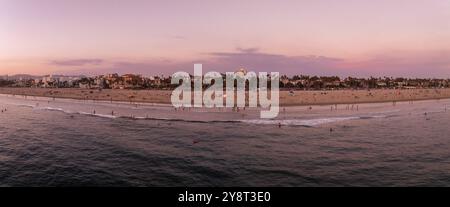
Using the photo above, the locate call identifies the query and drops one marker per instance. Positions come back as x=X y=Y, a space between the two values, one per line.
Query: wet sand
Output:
x=297 y=98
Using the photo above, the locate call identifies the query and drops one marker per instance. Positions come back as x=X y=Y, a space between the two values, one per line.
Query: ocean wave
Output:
x=288 y=122
x=51 y=109
x=99 y=115
x=374 y=117
x=299 y=122
x=72 y=112
x=315 y=121
x=25 y=105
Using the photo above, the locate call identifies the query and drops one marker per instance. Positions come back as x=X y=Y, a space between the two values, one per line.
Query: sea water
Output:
x=63 y=142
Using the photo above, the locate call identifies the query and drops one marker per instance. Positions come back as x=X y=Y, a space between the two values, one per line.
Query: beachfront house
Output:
x=110 y=80
x=131 y=81
x=23 y=83
x=381 y=84
x=48 y=81
x=155 y=81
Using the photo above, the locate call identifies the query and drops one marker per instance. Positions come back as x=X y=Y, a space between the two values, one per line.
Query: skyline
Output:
x=357 y=38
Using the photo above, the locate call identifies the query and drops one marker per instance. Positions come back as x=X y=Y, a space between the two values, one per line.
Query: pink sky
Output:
x=317 y=37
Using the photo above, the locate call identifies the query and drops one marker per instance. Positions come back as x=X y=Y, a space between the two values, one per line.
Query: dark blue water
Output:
x=383 y=146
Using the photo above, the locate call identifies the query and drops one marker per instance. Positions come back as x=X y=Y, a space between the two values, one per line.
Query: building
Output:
x=48 y=81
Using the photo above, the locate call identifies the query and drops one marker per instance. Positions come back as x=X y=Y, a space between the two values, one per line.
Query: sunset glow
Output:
x=360 y=38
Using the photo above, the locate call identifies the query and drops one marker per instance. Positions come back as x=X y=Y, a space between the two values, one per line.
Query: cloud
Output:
x=249 y=58
x=405 y=64
x=247 y=50
x=158 y=66
x=76 y=62
x=257 y=61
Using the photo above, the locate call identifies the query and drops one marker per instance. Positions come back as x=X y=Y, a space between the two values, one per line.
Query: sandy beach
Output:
x=297 y=98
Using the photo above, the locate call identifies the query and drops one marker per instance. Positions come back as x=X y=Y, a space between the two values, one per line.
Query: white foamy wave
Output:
x=374 y=117
x=24 y=105
x=66 y=111
x=53 y=109
x=98 y=115
x=299 y=122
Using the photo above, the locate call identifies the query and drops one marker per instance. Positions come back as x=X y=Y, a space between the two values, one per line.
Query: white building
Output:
x=48 y=81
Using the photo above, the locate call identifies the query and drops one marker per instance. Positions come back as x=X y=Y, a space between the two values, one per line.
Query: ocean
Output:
x=62 y=142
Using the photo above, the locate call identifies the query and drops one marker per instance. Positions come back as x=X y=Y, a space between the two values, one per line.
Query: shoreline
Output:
x=298 y=98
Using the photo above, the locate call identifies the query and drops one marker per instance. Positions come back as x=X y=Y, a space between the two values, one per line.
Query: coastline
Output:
x=297 y=98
